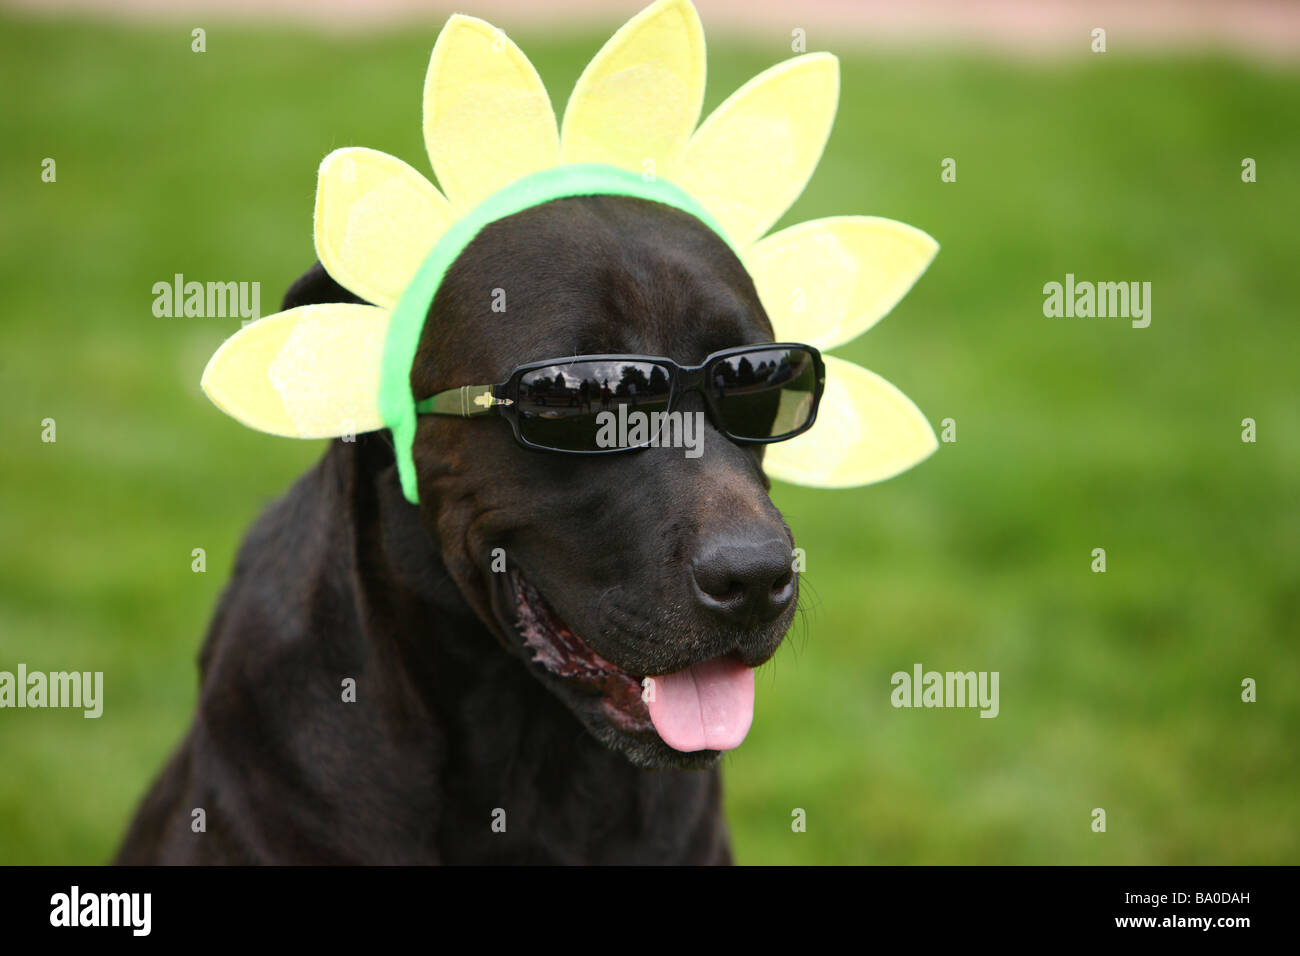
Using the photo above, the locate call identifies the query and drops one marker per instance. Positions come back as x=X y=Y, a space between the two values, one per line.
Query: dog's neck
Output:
x=430 y=654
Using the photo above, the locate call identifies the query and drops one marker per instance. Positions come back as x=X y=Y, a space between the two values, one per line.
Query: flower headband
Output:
x=387 y=234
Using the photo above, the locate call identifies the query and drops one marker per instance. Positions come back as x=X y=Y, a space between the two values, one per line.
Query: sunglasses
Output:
x=753 y=394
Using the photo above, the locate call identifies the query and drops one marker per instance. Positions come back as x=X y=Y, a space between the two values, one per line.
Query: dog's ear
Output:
x=314 y=287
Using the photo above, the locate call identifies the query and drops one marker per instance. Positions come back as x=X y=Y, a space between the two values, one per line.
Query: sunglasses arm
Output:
x=464 y=401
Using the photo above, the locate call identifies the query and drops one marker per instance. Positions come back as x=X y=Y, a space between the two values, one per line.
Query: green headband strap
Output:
x=396 y=400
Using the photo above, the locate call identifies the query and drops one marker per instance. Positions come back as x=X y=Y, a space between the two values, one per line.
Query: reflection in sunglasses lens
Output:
x=559 y=405
x=766 y=393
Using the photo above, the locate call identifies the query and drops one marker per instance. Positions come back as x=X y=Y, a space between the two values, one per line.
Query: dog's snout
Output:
x=746 y=580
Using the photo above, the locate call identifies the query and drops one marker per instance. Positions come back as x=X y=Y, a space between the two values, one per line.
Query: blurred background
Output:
x=1119 y=690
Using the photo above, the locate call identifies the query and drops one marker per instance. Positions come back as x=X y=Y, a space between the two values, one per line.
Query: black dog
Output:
x=464 y=743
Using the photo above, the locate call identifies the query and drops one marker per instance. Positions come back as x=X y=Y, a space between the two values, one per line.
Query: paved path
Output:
x=1264 y=28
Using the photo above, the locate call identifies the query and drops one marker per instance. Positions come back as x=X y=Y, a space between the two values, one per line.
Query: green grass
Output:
x=1118 y=690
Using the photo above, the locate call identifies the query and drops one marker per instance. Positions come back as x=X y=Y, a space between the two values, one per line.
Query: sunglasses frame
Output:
x=470 y=400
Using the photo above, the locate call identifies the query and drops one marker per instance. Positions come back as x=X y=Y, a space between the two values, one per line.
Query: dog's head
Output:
x=602 y=570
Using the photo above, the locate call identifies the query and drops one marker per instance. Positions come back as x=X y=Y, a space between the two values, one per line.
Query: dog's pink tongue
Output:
x=705 y=707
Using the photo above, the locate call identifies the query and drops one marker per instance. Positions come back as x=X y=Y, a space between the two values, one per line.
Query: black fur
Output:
x=343 y=578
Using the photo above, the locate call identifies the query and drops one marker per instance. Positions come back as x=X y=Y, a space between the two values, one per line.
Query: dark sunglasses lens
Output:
x=578 y=406
x=768 y=393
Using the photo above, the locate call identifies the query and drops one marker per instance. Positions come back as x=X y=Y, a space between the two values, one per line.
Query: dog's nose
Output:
x=744 y=580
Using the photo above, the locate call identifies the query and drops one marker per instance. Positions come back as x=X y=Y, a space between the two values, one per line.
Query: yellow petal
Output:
x=827 y=281
x=487 y=118
x=309 y=372
x=376 y=220
x=866 y=431
x=639 y=99
x=754 y=154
